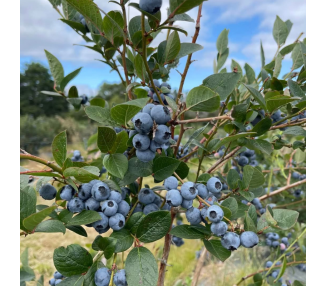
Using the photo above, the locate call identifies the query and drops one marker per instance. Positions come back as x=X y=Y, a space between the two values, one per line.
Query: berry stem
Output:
x=113 y=267
x=175 y=174
x=132 y=209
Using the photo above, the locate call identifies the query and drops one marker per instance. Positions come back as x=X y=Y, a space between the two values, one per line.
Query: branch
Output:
x=199 y=267
x=42 y=171
x=194 y=120
x=42 y=161
x=280 y=190
x=299 y=122
x=287 y=168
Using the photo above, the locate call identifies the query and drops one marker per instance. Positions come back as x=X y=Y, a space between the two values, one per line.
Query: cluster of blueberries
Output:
x=150 y=6
x=57 y=278
x=248 y=157
x=276 y=271
x=77 y=157
x=276 y=116
x=177 y=241
x=147 y=136
x=298 y=177
x=166 y=91
x=256 y=202
x=273 y=240
x=103 y=277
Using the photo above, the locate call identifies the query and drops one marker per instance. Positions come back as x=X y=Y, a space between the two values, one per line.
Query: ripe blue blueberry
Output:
x=141 y=142
x=145 y=156
x=177 y=241
x=115 y=196
x=157 y=201
x=155 y=97
x=146 y=196
x=120 y=279
x=285 y=240
x=268 y=264
x=102 y=277
x=147 y=108
x=143 y=122
x=275 y=236
x=150 y=208
x=57 y=281
x=249 y=239
x=123 y=208
x=193 y=216
x=117 y=221
x=132 y=133
x=202 y=190
x=124 y=192
x=268 y=242
x=162 y=134
x=84 y=191
x=160 y=114
x=57 y=275
x=214 y=185
x=52 y=282
x=170 y=183
x=48 y=192
x=295 y=175
x=230 y=241
x=94 y=182
x=203 y=213
x=249 y=153
x=253 y=163
x=100 y=191
x=173 y=198
x=210 y=199
x=219 y=228
x=154 y=146
x=137 y=209
x=275 y=243
x=77 y=154
x=187 y=204
x=156 y=81
x=262 y=210
x=76 y=205
x=103 y=230
x=101 y=224
x=92 y=204
x=109 y=207
x=215 y=213
x=165 y=84
x=274 y=274
x=243 y=161
x=189 y=191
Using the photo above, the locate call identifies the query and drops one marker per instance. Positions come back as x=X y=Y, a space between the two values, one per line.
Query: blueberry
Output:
x=76 y=205
x=215 y=213
x=57 y=275
x=92 y=204
x=101 y=224
x=52 y=282
x=166 y=207
x=84 y=191
x=115 y=196
x=120 y=279
x=94 y=182
x=155 y=97
x=244 y=202
x=230 y=241
x=177 y=241
x=123 y=208
x=249 y=239
x=157 y=201
x=162 y=134
x=173 y=198
x=151 y=208
x=187 y=204
x=145 y=156
x=243 y=161
x=109 y=207
x=165 y=84
x=102 y=277
x=48 y=192
x=275 y=236
x=117 y=221
x=124 y=192
x=202 y=190
x=219 y=229
x=268 y=242
x=103 y=230
x=249 y=153
x=77 y=154
x=268 y=264
x=203 y=213
x=214 y=185
x=141 y=142
x=146 y=196
x=154 y=146
x=143 y=122
x=302 y=177
x=189 y=191
x=253 y=163
x=275 y=243
x=210 y=199
x=132 y=133
x=100 y=191
x=160 y=114
x=57 y=281
x=295 y=175
x=147 y=108
x=262 y=211
x=274 y=274
x=170 y=183
x=138 y=209
x=156 y=82
x=285 y=240
x=193 y=216
x=84 y=97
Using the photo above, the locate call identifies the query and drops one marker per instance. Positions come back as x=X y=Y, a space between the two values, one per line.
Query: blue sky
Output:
x=248 y=21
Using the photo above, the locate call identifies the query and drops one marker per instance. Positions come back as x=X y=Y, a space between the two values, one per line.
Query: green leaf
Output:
x=34 y=219
x=280 y=31
x=120 y=143
x=183 y=170
x=68 y=78
x=232 y=179
x=283 y=268
x=295 y=89
x=250 y=73
x=262 y=126
x=75 y=25
x=122 y=113
x=76 y=280
x=85 y=217
x=202 y=98
x=222 y=41
x=123 y=238
x=59 y=148
x=288 y=49
x=65 y=216
x=154 y=226
x=257 y=95
x=26 y=276
x=259 y=145
x=239 y=112
x=51 y=226
x=113 y=27
x=172 y=47
x=276 y=102
x=182 y=17
x=173 y=28
x=278 y=65
x=89 y=10
x=77 y=229
x=80 y=174
x=141 y=267
x=262 y=55
x=105 y=139
x=194 y=135
x=252 y=178
x=171 y=103
x=164 y=167
x=249 y=196
x=182 y=6
x=285 y=218
x=231 y=204
x=137 y=168
x=231 y=138
x=134 y=221
x=295 y=131
x=221 y=59
x=140 y=68
x=152 y=17
x=27 y=204
x=235 y=65
x=298 y=55
x=188 y=48
x=50 y=93
x=116 y=164
x=252 y=214
x=222 y=83
x=297 y=283
x=215 y=247
x=135 y=25
x=187 y=231
x=249 y=224
x=75 y=102
x=55 y=68
x=99 y=114
x=97 y=101
x=72 y=260
x=266 y=220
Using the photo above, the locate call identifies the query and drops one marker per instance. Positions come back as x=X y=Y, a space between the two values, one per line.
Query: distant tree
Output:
x=33 y=80
x=113 y=93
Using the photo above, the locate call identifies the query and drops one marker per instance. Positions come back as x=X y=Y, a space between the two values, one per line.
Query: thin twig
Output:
x=42 y=161
x=199 y=267
x=203 y=119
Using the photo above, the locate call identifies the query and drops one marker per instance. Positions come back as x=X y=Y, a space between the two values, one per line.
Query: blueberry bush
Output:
x=225 y=161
